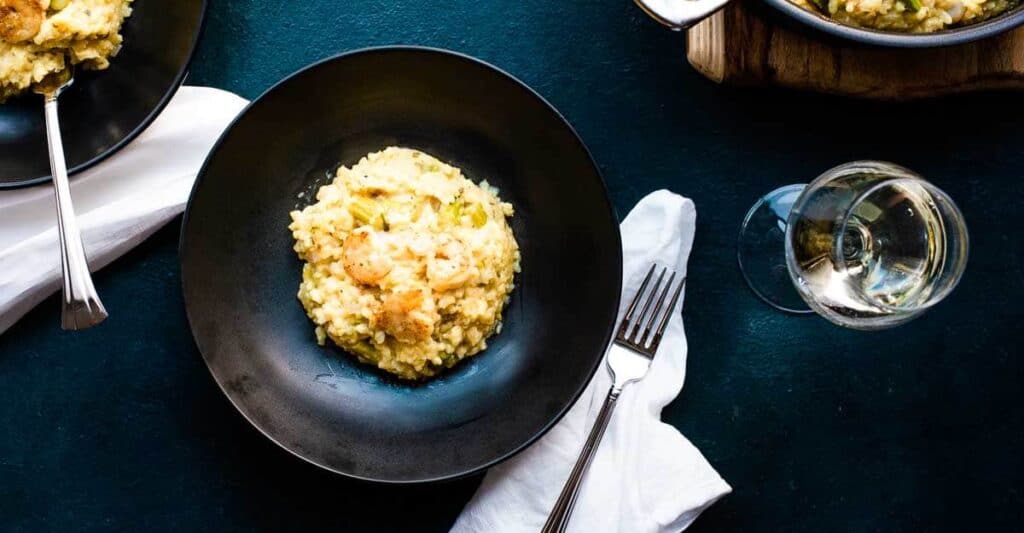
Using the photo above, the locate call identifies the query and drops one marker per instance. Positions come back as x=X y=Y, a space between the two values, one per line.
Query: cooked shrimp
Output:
x=404 y=316
x=363 y=257
x=450 y=267
x=20 y=20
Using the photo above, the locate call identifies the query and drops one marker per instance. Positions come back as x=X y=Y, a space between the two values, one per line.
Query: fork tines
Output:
x=635 y=332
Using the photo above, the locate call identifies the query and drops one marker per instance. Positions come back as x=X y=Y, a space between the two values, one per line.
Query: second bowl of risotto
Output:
x=885 y=23
x=401 y=264
x=130 y=56
x=910 y=16
x=906 y=23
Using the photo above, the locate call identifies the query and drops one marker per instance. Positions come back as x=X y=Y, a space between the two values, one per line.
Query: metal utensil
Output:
x=630 y=356
x=82 y=307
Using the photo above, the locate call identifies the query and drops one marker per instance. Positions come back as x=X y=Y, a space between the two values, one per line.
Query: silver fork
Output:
x=636 y=342
x=82 y=306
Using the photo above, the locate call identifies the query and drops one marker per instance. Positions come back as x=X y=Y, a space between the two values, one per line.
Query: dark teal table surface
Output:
x=817 y=428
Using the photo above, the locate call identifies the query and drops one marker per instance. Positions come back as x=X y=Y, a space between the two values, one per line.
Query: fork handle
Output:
x=81 y=308
x=558 y=520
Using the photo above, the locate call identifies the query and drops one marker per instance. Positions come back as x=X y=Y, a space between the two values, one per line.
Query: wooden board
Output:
x=738 y=46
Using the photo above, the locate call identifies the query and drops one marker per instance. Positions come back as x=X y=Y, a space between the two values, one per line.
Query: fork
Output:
x=636 y=342
x=81 y=307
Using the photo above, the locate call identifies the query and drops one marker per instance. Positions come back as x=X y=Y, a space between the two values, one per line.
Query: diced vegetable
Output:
x=477 y=215
x=822 y=5
x=367 y=211
x=57 y=5
x=451 y=213
x=364 y=210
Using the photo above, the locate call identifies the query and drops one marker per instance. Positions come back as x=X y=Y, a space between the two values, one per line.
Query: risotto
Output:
x=914 y=16
x=40 y=37
x=408 y=264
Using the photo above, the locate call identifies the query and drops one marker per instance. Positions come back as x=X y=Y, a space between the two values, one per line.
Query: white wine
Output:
x=874 y=245
x=868 y=245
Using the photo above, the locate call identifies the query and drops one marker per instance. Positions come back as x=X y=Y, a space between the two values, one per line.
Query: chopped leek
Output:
x=367 y=211
x=451 y=213
x=477 y=215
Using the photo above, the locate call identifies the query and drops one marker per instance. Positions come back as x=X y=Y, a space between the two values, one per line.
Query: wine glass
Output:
x=867 y=245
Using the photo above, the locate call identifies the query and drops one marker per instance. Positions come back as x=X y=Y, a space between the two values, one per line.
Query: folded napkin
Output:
x=645 y=477
x=119 y=202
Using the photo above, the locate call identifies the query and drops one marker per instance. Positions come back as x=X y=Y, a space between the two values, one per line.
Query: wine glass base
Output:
x=762 y=250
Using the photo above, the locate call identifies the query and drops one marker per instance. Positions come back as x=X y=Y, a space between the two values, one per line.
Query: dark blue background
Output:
x=816 y=427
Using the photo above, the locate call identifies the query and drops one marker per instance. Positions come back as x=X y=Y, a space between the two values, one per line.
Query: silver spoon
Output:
x=82 y=307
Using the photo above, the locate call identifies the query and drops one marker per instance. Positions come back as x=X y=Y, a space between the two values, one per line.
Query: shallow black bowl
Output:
x=103 y=111
x=240 y=275
x=1002 y=23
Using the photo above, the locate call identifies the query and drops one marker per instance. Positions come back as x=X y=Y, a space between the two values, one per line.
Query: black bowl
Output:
x=103 y=111
x=994 y=26
x=240 y=275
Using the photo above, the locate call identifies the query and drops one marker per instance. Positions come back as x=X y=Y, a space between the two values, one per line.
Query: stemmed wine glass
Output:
x=867 y=245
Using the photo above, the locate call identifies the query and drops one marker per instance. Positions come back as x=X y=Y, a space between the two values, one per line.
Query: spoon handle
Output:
x=81 y=307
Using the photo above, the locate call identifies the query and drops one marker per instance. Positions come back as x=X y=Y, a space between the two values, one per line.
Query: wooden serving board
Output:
x=741 y=47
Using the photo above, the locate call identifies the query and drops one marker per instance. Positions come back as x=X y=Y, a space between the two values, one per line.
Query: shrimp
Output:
x=363 y=258
x=20 y=20
x=450 y=267
x=406 y=317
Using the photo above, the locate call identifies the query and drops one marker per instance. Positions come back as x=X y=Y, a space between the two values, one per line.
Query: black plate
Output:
x=240 y=275
x=103 y=111
x=973 y=32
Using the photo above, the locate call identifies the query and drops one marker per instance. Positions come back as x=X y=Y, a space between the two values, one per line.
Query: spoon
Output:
x=81 y=307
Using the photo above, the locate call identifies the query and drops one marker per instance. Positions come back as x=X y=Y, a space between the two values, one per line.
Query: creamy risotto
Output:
x=408 y=264
x=915 y=16
x=40 y=37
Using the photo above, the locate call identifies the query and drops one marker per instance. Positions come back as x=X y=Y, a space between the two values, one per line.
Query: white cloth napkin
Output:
x=645 y=477
x=119 y=202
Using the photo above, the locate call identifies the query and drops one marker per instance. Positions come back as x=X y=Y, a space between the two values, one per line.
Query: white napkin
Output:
x=119 y=202
x=645 y=477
